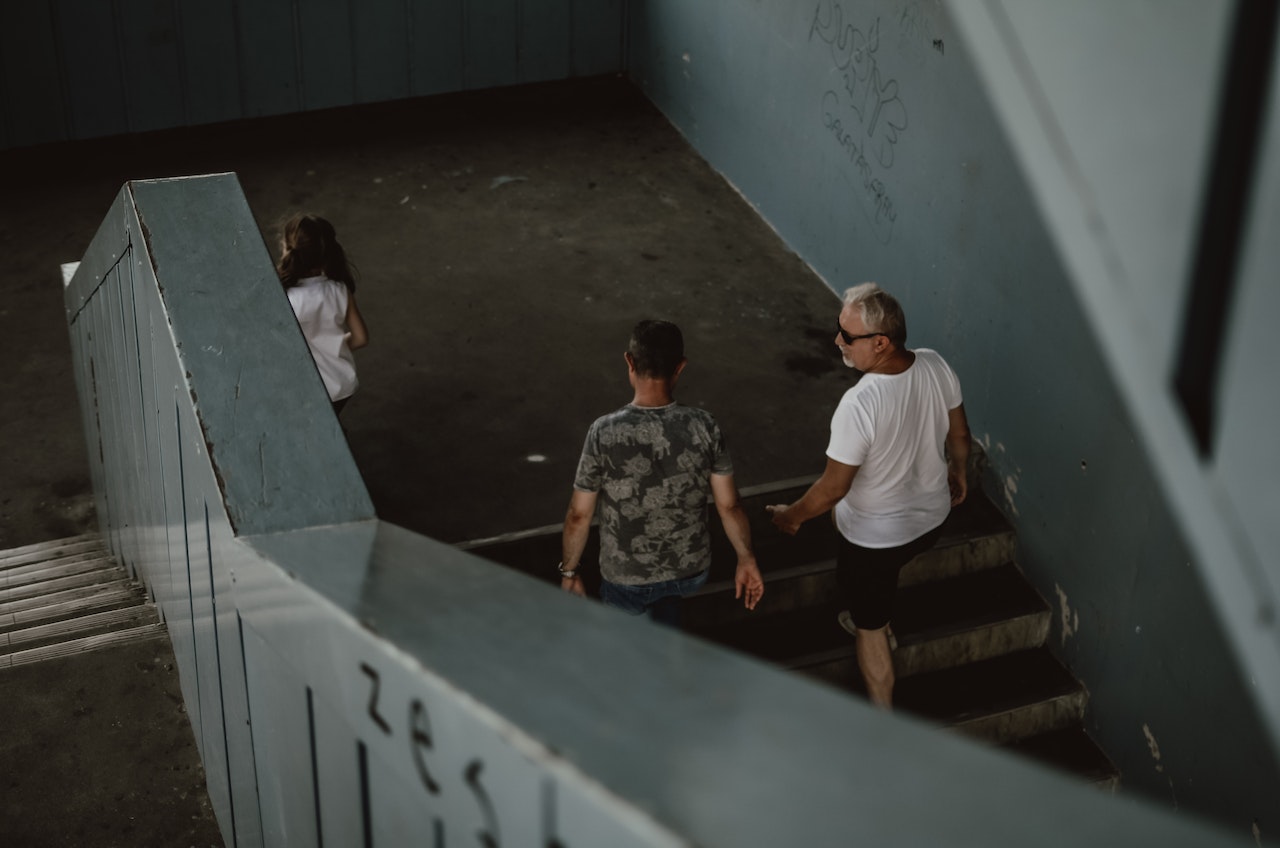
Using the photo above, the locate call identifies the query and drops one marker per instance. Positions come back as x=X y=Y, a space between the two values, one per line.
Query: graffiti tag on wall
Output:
x=864 y=114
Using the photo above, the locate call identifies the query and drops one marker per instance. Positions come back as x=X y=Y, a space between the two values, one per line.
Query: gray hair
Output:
x=880 y=311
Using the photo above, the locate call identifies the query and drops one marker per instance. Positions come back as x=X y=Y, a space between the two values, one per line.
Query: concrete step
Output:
x=71 y=603
x=1003 y=699
x=536 y=551
x=121 y=584
x=107 y=573
x=67 y=596
x=974 y=539
x=977 y=700
x=83 y=644
x=975 y=616
x=75 y=627
x=89 y=542
x=975 y=536
x=36 y=572
x=1071 y=750
x=937 y=625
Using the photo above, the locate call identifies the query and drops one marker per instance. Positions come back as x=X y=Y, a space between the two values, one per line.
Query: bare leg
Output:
x=876 y=662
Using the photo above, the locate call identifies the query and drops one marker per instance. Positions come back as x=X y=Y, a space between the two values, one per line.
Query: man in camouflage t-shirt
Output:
x=650 y=466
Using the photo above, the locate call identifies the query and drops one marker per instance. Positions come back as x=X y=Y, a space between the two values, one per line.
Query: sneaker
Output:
x=846 y=621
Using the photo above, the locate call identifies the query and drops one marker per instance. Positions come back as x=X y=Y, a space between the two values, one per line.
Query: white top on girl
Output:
x=321 y=306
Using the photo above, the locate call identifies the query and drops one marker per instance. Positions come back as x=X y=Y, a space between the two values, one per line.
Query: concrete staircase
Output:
x=67 y=596
x=970 y=632
x=970 y=628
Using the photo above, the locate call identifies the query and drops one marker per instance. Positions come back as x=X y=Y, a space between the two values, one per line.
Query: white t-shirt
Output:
x=894 y=426
x=321 y=307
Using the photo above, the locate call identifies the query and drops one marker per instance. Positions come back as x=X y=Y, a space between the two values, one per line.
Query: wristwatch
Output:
x=566 y=572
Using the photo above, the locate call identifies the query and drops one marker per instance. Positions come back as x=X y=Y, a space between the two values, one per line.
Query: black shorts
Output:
x=868 y=577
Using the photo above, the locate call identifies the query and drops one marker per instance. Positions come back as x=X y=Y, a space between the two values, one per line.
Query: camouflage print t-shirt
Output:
x=652 y=467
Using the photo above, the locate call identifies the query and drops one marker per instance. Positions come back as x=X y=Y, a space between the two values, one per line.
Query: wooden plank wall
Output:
x=75 y=69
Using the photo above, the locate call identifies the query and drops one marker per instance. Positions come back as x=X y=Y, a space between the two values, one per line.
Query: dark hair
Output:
x=656 y=348
x=310 y=247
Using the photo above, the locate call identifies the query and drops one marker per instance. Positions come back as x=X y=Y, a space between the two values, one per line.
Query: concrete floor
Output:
x=506 y=243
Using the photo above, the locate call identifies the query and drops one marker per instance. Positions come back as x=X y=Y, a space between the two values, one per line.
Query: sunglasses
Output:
x=850 y=338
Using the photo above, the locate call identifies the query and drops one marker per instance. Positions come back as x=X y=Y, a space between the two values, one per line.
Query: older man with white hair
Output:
x=895 y=467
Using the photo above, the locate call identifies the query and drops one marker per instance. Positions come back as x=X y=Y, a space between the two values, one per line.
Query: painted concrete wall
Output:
x=73 y=69
x=862 y=133
x=1164 y=219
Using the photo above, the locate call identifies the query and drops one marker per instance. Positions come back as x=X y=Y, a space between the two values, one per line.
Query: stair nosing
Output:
x=37 y=601
x=913 y=638
x=38 y=548
x=843 y=652
x=28 y=590
x=78 y=624
x=37 y=571
x=1100 y=770
x=1011 y=708
x=976 y=726
x=817 y=658
x=1028 y=606
x=1008 y=704
x=82 y=645
x=38 y=562
x=124 y=591
x=828 y=564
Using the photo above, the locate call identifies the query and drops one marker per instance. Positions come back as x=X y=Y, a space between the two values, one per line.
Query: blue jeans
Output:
x=660 y=600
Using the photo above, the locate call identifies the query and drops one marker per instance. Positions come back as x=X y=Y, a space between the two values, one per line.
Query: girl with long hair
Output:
x=318 y=278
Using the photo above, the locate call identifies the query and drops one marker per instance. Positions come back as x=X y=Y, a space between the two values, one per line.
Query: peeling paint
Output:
x=1155 y=750
x=1011 y=489
x=1009 y=484
x=1070 y=618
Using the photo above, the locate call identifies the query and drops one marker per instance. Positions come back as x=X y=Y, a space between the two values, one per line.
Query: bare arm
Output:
x=359 y=334
x=747 y=582
x=825 y=493
x=577 y=528
x=958 y=454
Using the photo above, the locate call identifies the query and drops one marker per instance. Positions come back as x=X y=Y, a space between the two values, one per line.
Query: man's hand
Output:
x=824 y=494
x=781 y=515
x=958 y=482
x=747 y=583
x=577 y=526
